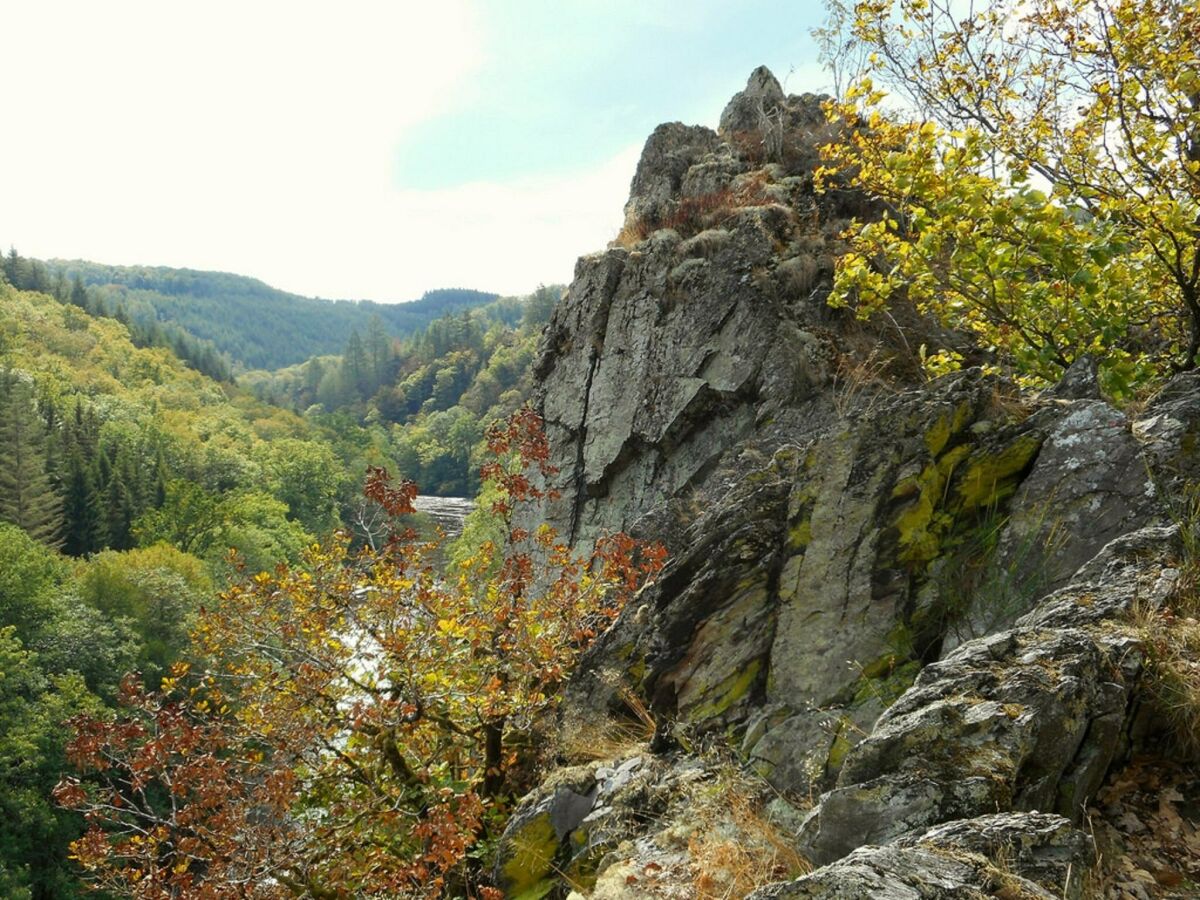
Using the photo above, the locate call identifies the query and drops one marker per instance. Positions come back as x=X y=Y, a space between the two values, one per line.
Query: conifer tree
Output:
x=79 y=296
x=354 y=365
x=27 y=495
x=117 y=512
x=84 y=532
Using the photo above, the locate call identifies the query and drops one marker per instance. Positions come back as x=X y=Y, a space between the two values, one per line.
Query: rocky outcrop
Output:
x=1026 y=722
x=923 y=872
x=1029 y=718
x=895 y=596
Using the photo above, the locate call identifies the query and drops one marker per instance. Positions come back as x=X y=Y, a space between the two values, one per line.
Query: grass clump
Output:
x=736 y=848
x=1171 y=637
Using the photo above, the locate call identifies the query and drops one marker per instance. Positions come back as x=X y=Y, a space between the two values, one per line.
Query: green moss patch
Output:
x=727 y=693
x=534 y=848
x=988 y=479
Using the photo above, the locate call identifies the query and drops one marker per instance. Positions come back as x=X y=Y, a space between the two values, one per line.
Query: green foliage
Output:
x=108 y=425
x=1047 y=207
x=246 y=320
x=208 y=524
x=29 y=571
x=157 y=590
x=33 y=833
x=56 y=655
x=37 y=600
x=436 y=391
x=307 y=477
x=27 y=496
x=482 y=526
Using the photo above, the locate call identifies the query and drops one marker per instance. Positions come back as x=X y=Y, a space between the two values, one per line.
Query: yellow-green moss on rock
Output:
x=526 y=873
x=727 y=693
x=893 y=677
x=840 y=748
x=948 y=425
x=921 y=524
x=800 y=535
x=987 y=479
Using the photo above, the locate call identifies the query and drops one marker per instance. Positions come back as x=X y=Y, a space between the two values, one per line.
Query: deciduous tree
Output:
x=1048 y=200
x=354 y=733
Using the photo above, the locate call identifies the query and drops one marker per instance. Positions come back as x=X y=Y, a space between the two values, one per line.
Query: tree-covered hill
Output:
x=256 y=325
x=117 y=444
x=433 y=394
x=125 y=477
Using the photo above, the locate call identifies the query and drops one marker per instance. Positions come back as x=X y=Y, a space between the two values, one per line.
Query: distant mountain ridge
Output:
x=256 y=325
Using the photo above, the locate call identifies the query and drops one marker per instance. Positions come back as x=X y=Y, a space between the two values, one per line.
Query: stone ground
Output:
x=1146 y=822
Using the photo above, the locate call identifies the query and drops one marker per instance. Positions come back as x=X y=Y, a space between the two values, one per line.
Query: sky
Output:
x=365 y=150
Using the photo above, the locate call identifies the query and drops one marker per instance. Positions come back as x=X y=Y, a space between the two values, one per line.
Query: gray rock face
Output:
x=824 y=533
x=1026 y=719
x=670 y=153
x=1041 y=847
x=753 y=108
x=1168 y=431
x=1089 y=485
x=907 y=873
x=898 y=598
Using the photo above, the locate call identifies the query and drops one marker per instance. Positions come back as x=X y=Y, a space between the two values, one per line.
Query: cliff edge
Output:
x=904 y=604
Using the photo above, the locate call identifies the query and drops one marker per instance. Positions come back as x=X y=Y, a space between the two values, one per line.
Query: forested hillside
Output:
x=255 y=325
x=434 y=393
x=32 y=275
x=128 y=476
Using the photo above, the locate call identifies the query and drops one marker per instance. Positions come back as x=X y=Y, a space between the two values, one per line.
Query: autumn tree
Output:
x=1041 y=184
x=363 y=722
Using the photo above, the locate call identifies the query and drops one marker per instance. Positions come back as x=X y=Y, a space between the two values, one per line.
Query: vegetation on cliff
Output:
x=1041 y=186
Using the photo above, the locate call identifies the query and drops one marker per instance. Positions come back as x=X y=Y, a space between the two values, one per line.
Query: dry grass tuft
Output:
x=1171 y=637
x=691 y=215
x=736 y=849
x=632 y=233
x=858 y=376
x=1172 y=678
x=611 y=737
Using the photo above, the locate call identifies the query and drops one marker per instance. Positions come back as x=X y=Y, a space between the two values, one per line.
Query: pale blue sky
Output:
x=369 y=148
x=565 y=85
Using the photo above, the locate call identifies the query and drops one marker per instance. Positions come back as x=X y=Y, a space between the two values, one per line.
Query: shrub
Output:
x=357 y=730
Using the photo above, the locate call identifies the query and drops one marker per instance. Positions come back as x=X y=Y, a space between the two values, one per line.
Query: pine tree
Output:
x=79 y=295
x=117 y=512
x=84 y=532
x=379 y=351
x=156 y=495
x=354 y=365
x=27 y=495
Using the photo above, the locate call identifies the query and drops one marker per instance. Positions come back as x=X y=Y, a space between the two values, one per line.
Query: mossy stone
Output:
x=534 y=848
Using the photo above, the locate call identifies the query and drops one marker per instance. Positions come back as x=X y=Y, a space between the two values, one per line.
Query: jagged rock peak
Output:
x=763 y=152
x=750 y=109
x=903 y=600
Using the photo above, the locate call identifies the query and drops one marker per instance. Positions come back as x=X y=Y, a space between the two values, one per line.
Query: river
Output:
x=446 y=512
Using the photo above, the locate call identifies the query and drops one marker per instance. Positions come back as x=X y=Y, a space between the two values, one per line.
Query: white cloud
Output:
x=497 y=236
x=259 y=138
x=229 y=135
